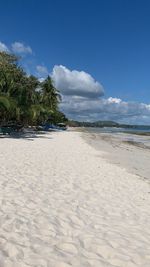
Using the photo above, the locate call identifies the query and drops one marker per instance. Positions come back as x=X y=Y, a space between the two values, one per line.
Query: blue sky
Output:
x=109 y=40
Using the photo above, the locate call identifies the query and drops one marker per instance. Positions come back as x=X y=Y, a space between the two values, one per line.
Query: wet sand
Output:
x=125 y=150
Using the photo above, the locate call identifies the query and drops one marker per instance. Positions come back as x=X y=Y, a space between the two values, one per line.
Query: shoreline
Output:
x=129 y=154
x=63 y=204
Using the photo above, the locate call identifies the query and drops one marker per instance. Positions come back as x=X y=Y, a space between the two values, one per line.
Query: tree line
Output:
x=24 y=99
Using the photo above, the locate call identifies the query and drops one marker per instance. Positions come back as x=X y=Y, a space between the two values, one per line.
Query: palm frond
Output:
x=5 y=102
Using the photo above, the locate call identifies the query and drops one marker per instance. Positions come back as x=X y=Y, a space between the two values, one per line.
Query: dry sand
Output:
x=62 y=204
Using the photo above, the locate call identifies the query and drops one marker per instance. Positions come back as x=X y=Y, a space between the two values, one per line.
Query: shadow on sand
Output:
x=30 y=136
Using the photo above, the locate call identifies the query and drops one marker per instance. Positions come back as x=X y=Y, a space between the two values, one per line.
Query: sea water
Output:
x=140 y=135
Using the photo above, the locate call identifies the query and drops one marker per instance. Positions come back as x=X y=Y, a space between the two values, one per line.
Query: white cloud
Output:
x=114 y=100
x=41 y=71
x=105 y=109
x=41 y=80
x=82 y=99
x=20 y=48
x=3 y=47
x=76 y=82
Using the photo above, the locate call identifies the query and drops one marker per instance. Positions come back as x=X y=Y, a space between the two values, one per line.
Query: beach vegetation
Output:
x=23 y=98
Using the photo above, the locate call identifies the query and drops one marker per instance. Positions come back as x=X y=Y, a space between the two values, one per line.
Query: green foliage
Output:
x=4 y=103
x=57 y=117
x=23 y=99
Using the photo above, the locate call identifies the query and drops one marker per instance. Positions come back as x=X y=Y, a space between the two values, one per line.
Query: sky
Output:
x=97 y=53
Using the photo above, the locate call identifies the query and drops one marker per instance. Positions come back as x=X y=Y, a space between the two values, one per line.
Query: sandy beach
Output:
x=62 y=203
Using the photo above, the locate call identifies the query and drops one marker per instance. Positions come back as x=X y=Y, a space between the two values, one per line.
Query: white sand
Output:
x=62 y=204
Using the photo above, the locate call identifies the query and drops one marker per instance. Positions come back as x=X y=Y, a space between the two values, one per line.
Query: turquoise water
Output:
x=139 y=136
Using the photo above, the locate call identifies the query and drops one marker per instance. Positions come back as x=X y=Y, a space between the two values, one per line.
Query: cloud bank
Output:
x=105 y=109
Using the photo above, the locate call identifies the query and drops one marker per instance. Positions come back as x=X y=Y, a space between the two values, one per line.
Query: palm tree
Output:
x=24 y=99
x=8 y=108
x=50 y=95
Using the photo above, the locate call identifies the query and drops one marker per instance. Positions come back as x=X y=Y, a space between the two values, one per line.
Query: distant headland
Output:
x=74 y=123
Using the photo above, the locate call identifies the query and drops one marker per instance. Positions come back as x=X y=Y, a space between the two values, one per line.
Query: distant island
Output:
x=101 y=124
